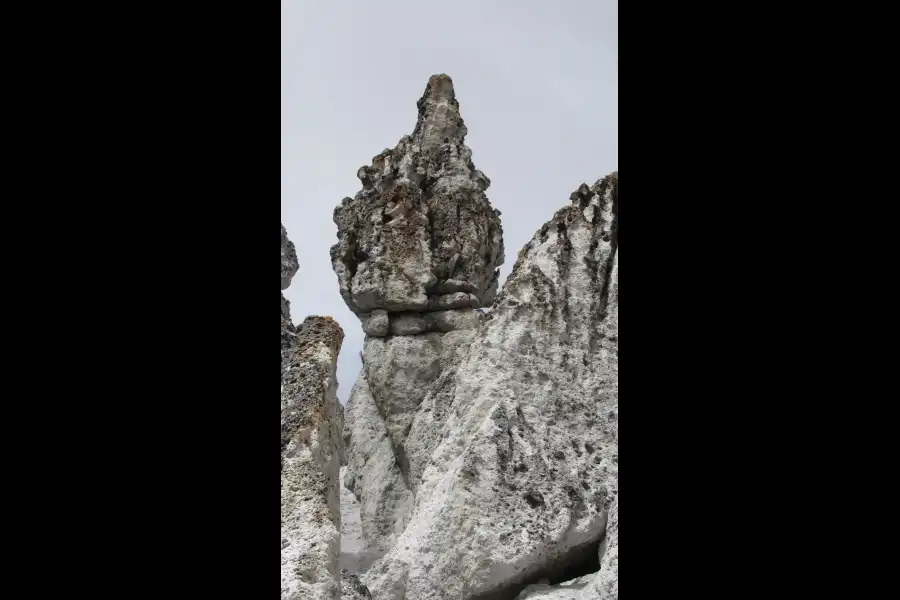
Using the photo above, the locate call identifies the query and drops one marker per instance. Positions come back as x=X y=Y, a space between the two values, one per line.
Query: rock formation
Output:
x=513 y=455
x=418 y=252
x=421 y=236
x=310 y=450
x=483 y=448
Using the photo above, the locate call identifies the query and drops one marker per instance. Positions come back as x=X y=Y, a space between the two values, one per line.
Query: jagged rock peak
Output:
x=595 y=207
x=289 y=264
x=439 y=117
x=421 y=235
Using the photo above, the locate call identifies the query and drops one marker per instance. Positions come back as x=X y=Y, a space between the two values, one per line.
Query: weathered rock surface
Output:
x=372 y=473
x=310 y=457
x=311 y=448
x=289 y=264
x=483 y=450
x=397 y=374
x=352 y=588
x=421 y=234
x=513 y=454
x=603 y=585
x=606 y=581
x=418 y=252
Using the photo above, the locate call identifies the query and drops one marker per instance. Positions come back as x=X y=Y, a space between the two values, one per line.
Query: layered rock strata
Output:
x=513 y=453
x=418 y=253
x=310 y=451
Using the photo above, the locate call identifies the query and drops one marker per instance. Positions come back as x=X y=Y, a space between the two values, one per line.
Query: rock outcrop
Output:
x=513 y=453
x=421 y=235
x=418 y=253
x=310 y=451
x=483 y=448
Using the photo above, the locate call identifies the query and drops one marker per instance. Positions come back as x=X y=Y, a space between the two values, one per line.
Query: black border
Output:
x=152 y=446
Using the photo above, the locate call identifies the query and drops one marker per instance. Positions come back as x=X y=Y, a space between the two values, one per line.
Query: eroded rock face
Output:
x=421 y=234
x=352 y=588
x=372 y=473
x=310 y=464
x=289 y=263
x=418 y=252
x=311 y=449
x=513 y=453
x=603 y=585
x=606 y=582
x=397 y=374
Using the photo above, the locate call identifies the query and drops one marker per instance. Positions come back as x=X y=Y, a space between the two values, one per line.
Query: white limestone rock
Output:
x=356 y=557
x=372 y=473
x=310 y=461
x=516 y=449
x=397 y=373
x=606 y=581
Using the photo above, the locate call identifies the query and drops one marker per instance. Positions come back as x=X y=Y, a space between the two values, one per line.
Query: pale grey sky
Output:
x=537 y=84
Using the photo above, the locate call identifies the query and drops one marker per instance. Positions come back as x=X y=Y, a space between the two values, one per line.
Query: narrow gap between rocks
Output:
x=355 y=557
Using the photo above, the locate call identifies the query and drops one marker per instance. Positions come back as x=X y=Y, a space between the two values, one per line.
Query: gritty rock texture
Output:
x=421 y=235
x=352 y=588
x=310 y=464
x=606 y=582
x=376 y=323
x=397 y=374
x=603 y=585
x=372 y=473
x=289 y=263
x=418 y=252
x=513 y=451
x=311 y=450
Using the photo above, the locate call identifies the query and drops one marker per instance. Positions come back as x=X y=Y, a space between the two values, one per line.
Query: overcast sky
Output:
x=537 y=84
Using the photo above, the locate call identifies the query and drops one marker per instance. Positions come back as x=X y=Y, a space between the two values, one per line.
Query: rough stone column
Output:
x=418 y=252
x=310 y=451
